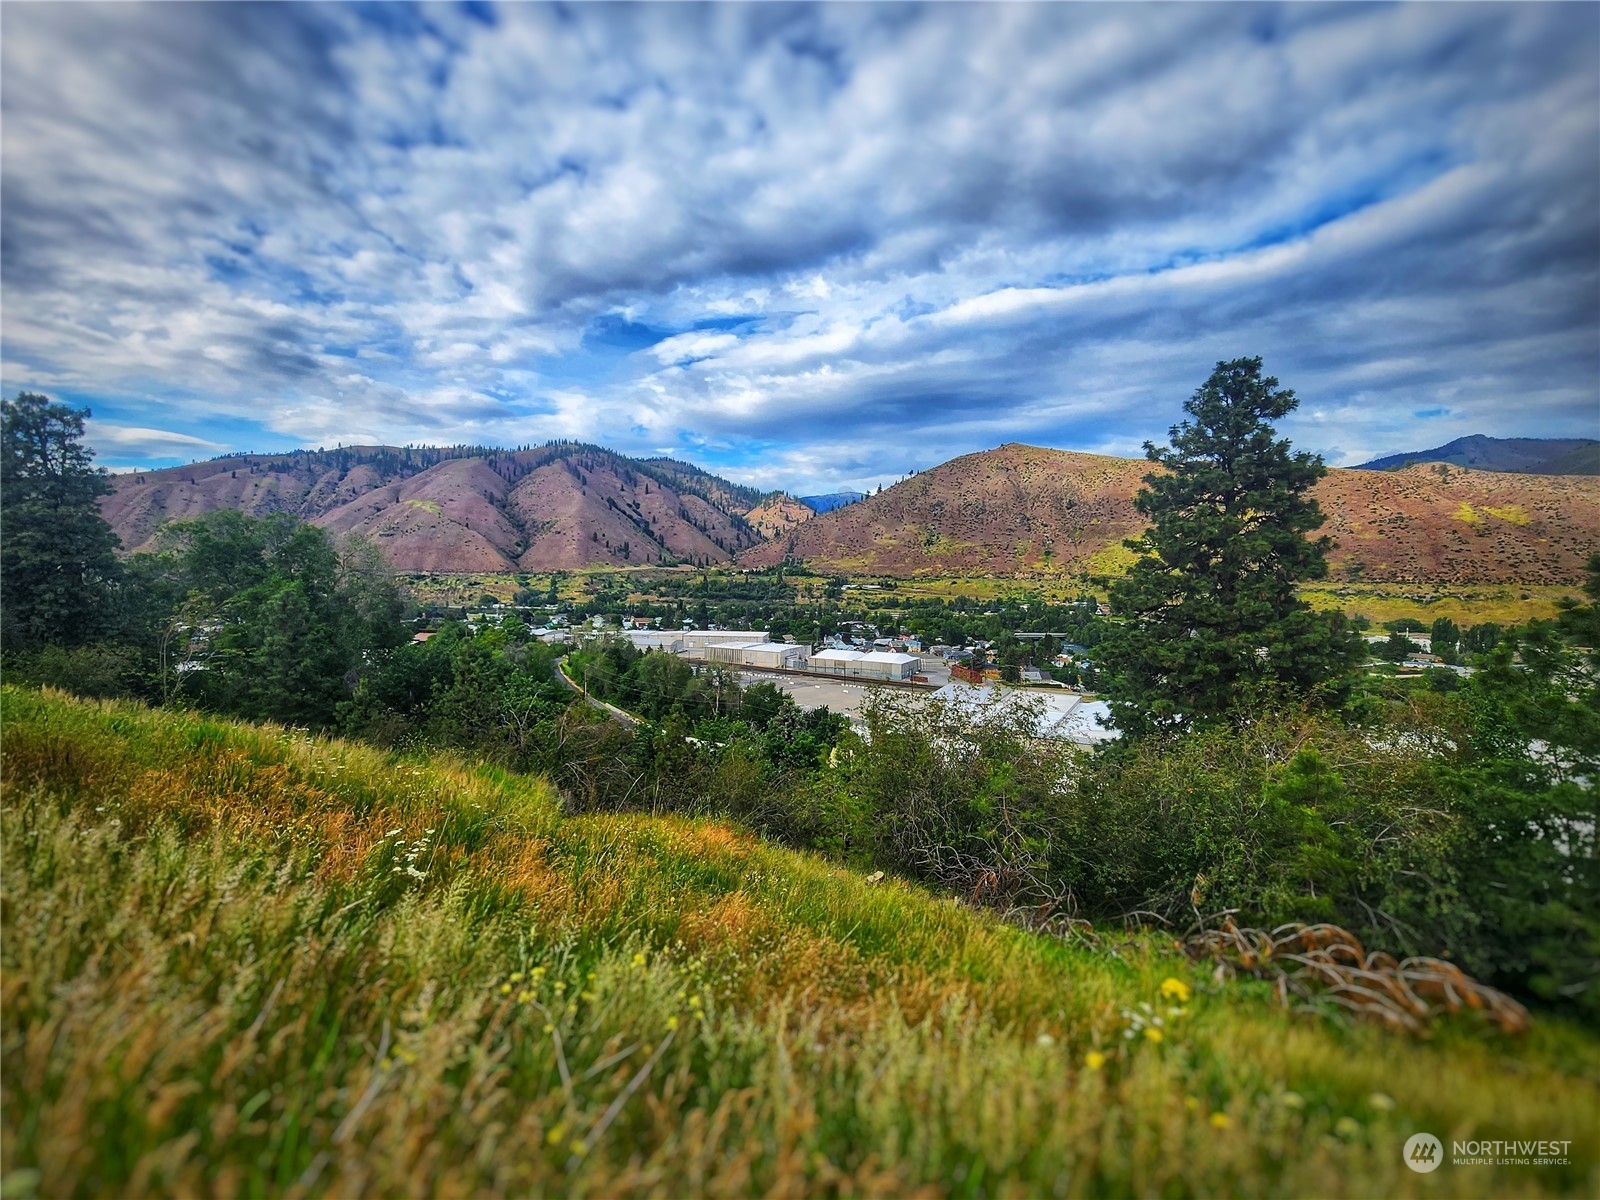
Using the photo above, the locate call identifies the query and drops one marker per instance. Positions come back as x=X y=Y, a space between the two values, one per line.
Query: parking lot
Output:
x=809 y=693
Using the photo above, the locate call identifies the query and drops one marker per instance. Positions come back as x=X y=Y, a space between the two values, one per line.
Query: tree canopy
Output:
x=1212 y=618
x=57 y=553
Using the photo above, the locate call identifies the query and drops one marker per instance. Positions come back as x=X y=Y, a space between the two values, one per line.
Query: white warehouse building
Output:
x=729 y=652
x=695 y=641
x=783 y=655
x=853 y=664
x=670 y=640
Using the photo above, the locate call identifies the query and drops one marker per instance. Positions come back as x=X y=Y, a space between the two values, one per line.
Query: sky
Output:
x=807 y=247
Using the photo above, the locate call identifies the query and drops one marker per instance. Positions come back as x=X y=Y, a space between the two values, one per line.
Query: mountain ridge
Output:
x=564 y=505
x=1526 y=456
x=1019 y=510
x=1012 y=511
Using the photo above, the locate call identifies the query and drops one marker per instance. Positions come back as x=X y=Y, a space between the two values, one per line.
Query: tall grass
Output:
x=239 y=961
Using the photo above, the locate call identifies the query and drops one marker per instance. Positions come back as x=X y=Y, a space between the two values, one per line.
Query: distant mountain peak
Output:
x=831 y=500
x=1521 y=456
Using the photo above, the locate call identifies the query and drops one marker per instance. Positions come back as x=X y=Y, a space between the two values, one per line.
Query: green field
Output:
x=241 y=961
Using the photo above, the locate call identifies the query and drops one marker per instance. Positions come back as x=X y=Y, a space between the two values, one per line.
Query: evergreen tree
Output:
x=1213 y=623
x=57 y=554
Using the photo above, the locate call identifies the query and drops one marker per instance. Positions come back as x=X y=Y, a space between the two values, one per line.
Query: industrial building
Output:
x=853 y=664
x=732 y=653
x=695 y=641
x=1055 y=715
x=776 y=655
x=670 y=640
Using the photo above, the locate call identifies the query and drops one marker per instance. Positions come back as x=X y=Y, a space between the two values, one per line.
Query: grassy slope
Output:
x=219 y=975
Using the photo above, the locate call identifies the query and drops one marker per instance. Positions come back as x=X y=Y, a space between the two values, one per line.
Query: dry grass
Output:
x=238 y=961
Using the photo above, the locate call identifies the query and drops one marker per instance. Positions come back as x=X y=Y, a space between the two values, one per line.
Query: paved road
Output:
x=611 y=710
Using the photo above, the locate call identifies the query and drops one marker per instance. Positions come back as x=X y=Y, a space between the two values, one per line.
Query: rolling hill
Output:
x=560 y=506
x=777 y=514
x=243 y=961
x=1013 y=510
x=1529 y=456
x=1022 y=509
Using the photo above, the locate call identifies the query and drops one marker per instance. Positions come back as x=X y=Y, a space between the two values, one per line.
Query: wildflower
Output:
x=505 y=989
x=557 y=1132
x=1175 y=989
x=1154 y=1035
x=516 y=977
x=1044 y=1039
x=1347 y=1127
x=638 y=959
x=390 y=834
x=672 y=1022
x=1381 y=1102
x=1292 y=1100
x=1220 y=1120
x=579 y=1148
x=1094 y=1060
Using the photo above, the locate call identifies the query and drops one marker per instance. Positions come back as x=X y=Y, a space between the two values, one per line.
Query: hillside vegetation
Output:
x=239 y=960
x=463 y=508
x=1029 y=510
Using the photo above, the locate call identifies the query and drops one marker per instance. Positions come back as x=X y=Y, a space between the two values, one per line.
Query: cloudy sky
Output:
x=805 y=246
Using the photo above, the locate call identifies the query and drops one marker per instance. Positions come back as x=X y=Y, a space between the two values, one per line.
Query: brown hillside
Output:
x=1024 y=509
x=463 y=510
x=777 y=514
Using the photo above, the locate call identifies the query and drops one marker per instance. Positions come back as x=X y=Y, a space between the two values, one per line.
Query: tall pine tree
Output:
x=57 y=554
x=1212 y=621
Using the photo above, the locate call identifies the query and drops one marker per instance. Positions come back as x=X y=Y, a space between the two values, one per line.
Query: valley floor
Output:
x=241 y=961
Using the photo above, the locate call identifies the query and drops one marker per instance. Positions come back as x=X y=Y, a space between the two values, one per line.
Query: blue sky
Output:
x=808 y=247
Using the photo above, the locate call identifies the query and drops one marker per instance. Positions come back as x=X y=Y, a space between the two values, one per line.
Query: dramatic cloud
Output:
x=808 y=246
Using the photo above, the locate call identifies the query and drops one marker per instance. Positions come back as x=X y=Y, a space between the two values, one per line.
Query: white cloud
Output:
x=948 y=224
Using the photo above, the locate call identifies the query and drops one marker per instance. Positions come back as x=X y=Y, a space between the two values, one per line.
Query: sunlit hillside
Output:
x=241 y=961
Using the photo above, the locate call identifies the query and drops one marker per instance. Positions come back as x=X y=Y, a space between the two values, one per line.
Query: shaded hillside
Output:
x=831 y=501
x=463 y=508
x=1023 y=509
x=777 y=514
x=1528 y=456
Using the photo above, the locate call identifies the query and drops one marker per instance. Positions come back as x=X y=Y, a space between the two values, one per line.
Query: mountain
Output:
x=1528 y=456
x=1023 y=509
x=777 y=514
x=833 y=500
x=464 y=508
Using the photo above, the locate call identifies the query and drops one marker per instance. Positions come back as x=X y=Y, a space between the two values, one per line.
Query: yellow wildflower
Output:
x=1220 y=1120
x=1175 y=989
x=557 y=1132
x=672 y=1022
x=1094 y=1060
x=1153 y=1034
